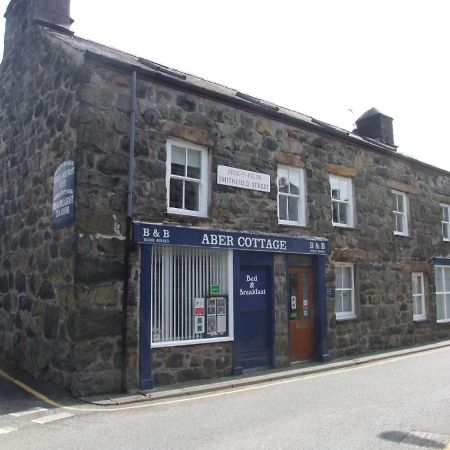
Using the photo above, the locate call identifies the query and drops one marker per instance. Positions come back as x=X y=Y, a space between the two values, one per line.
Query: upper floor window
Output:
x=291 y=196
x=342 y=201
x=445 y=221
x=400 y=210
x=442 y=281
x=418 y=294
x=186 y=178
x=345 y=291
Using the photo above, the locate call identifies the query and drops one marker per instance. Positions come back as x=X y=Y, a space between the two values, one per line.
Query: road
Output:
x=384 y=405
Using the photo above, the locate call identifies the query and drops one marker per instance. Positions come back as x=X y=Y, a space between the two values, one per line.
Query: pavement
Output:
x=249 y=379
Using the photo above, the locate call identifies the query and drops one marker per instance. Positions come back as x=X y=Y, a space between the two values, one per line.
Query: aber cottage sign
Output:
x=156 y=234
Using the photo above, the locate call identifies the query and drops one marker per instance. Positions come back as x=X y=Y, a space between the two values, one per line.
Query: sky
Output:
x=332 y=60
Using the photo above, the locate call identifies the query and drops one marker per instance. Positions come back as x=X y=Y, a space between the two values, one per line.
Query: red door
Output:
x=301 y=314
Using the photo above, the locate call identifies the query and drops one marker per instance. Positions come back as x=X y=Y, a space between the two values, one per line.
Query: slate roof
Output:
x=199 y=85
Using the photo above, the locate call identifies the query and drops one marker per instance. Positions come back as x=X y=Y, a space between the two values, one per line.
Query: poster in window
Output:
x=199 y=324
x=212 y=325
x=199 y=306
x=216 y=316
x=211 y=304
x=221 y=324
x=221 y=306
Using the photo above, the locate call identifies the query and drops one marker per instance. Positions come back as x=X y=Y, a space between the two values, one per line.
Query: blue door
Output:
x=255 y=306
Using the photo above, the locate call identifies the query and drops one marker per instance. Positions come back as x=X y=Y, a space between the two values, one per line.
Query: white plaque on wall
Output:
x=245 y=179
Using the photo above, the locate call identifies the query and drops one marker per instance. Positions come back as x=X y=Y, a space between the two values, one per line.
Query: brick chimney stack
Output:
x=376 y=125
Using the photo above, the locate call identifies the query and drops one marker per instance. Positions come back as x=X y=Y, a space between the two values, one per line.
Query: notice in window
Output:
x=199 y=306
x=221 y=306
x=212 y=325
x=216 y=316
x=200 y=324
x=221 y=324
x=212 y=301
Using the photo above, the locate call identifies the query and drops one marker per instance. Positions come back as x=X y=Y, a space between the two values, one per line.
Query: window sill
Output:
x=342 y=225
x=443 y=321
x=396 y=233
x=345 y=318
x=191 y=342
x=292 y=224
x=186 y=212
x=420 y=319
x=185 y=219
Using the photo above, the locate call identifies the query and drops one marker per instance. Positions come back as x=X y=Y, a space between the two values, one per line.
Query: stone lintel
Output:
x=442 y=198
x=402 y=187
x=417 y=267
x=348 y=255
x=342 y=171
x=199 y=137
x=289 y=160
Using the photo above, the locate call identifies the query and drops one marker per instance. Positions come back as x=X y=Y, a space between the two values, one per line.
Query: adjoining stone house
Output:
x=260 y=237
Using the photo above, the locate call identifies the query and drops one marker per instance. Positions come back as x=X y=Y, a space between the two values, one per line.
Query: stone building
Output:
x=244 y=235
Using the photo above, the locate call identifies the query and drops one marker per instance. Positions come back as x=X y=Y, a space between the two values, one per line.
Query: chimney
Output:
x=20 y=14
x=373 y=124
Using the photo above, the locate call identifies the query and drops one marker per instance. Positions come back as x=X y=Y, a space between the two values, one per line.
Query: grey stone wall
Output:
x=383 y=262
x=36 y=263
x=191 y=362
x=60 y=292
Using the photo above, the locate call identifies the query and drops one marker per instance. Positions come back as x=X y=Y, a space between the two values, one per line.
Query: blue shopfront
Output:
x=216 y=287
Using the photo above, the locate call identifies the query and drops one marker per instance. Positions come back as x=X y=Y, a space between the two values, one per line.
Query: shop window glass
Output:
x=183 y=308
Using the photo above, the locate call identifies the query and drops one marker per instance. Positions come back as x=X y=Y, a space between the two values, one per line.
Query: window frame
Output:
x=445 y=223
x=350 y=204
x=420 y=276
x=404 y=215
x=445 y=292
x=301 y=197
x=229 y=337
x=347 y=315
x=202 y=181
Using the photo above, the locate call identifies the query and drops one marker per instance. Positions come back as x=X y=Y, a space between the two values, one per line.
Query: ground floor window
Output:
x=345 y=291
x=190 y=288
x=442 y=280
x=418 y=294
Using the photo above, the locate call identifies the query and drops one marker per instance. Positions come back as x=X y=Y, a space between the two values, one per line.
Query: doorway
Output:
x=301 y=314
x=255 y=305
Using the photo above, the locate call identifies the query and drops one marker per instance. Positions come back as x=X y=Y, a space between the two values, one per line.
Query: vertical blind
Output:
x=179 y=275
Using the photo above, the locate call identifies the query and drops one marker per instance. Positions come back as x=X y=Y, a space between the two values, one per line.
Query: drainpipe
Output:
x=126 y=272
